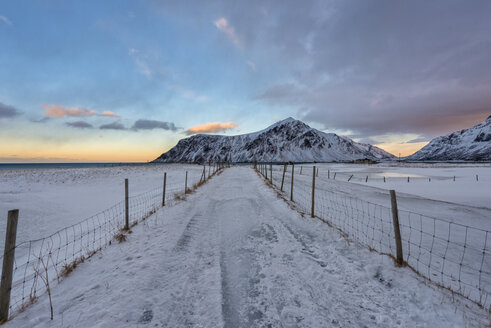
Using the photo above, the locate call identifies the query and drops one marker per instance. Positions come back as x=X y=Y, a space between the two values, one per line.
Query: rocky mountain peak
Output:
x=284 y=141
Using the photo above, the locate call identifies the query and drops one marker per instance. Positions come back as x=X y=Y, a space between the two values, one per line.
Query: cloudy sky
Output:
x=125 y=80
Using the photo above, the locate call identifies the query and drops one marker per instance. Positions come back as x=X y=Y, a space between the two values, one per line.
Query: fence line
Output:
x=41 y=263
x=369 y=177
x=451 y=255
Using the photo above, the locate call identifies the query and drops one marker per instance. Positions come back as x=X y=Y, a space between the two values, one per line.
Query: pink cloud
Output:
x=211 y=127
x=56 y=111
x=109 y=113
x=60 y=111
x=224 y=26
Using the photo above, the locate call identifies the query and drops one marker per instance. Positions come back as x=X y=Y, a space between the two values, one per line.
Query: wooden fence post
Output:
x=328 y=174
x=397 y=231
x=291 y=187
x=266 y=171
x=163 y=193
x=271 y=172
x=317 y=172
x=126 y=206
x=186 y=184
x=8 y=264
x=334 y=175
x=301 y=170
x=313 y=192
x=283 y=177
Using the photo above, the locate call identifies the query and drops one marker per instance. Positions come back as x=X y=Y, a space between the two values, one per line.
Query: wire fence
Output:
x=386 y=176
x=42 y=263
x=451 y=255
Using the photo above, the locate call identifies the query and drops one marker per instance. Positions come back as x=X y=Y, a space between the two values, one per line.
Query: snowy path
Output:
x=235 y=255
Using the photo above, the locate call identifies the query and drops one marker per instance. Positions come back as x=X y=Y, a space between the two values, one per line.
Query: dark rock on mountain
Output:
x=284 y=141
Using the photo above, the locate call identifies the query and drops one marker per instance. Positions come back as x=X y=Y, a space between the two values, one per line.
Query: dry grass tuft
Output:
x=120 y=237
x=179 y=197
x=92 y=253
x=24 y=306
x=199 y=184
x=69 y=267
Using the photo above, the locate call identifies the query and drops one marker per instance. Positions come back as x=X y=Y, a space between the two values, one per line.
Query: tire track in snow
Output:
x=237 y=263
x=186 y=273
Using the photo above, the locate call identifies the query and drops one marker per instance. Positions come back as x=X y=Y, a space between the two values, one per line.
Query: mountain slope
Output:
x=473 y=144
x=287 y=140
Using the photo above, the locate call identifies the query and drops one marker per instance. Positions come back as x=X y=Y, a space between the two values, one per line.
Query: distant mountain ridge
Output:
x=473 y=144
x=288 y=140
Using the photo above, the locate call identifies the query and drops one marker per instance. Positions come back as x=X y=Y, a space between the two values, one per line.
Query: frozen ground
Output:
x=235 y=255
x=433 y=181
x=465 y=200
x=51 y=199
x=444 y=241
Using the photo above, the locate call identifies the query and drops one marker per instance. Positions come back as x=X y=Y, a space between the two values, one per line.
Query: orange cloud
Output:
x=109 y=113
x=211 y=127
x=60 y=111
x=56 y=111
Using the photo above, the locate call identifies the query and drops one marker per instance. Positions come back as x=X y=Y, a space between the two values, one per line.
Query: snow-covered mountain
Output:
x=473 y=144
x=284 y=141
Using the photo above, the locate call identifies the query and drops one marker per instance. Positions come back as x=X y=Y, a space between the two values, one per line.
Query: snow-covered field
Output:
x=235 y=227
x=236 y=255
x=433 y=181
x=431 y=189
x=51 y=199
x=447 y=242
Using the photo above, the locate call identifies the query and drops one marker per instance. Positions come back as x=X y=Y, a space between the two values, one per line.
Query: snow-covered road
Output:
x=236 y=255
